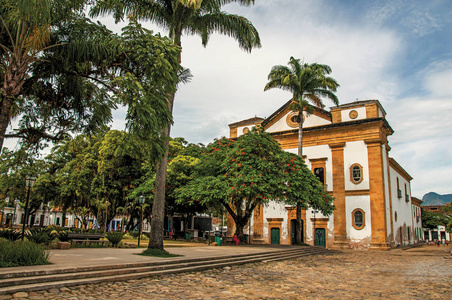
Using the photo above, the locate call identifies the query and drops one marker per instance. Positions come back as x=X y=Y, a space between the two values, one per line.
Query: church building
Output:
x=347 y=149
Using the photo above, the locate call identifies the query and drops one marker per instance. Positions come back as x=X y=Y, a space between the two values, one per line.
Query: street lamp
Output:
x=29 y=182
x=141 y=199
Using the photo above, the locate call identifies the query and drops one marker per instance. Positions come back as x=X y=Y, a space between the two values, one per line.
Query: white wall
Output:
x=240 y=129
x=321 y=151
x=360 y=237
x=356 y=153
x=399 y=205
x=311 y=121
x=274 y=209
x=346 y=117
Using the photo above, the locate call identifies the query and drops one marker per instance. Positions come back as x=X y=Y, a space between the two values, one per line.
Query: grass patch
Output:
x=157 y=253
x=22 y=253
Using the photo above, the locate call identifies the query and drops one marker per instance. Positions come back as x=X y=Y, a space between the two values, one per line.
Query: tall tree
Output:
x=25 y=32
x=61 y=73
x=245 y=173
x=308 y=84
x=200 y=17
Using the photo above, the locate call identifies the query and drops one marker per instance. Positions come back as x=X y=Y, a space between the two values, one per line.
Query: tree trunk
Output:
x=239 y=225
x=13 y=80
x=158 y=207
x=5 y=115
x=298 y=227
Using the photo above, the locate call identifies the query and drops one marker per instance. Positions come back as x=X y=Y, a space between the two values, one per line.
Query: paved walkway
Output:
x=418 y=273
x=90 y=257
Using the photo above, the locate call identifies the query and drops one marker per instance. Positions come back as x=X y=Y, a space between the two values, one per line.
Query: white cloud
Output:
x=362 y=45
x=422 y=141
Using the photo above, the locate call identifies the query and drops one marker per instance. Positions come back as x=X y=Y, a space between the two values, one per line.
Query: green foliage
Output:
x=63 y=236
x=10 y=234
x=432 y=220
x=114 y=237
x=302 y=187
x=202 y=18
x=15 y=166
x=157 y=253
x=40 y=235
x=307 y=82
x=245 y=173
x=18 y=253
x=56 y=228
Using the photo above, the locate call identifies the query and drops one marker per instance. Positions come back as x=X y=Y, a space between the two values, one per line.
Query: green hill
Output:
x=433 y=198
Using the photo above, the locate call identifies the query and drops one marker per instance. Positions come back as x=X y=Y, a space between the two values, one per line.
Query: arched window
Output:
x=356 y=173
x=358 y=219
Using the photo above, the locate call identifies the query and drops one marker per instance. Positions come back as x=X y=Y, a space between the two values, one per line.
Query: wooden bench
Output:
x=86 y=238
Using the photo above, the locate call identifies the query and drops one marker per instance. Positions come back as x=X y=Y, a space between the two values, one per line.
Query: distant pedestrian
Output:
x=447 y=243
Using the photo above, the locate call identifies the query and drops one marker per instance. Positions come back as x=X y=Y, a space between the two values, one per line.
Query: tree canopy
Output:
x=62 y=73
x=248 y=172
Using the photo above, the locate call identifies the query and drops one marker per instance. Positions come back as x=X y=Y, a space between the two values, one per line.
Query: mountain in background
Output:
x=433 y=198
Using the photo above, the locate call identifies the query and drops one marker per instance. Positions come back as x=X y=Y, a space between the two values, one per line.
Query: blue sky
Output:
x=398 y=51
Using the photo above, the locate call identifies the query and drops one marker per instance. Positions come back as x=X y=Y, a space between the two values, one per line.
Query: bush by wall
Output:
x=22 y=253
x=10 y=234
x=40 y=235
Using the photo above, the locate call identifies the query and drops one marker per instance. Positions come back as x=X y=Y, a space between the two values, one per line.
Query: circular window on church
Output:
x=245 y=130
x=358 y=221
x=353 y=114
x=293 y=119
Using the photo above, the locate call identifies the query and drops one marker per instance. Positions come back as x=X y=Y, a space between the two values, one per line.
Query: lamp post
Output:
x=16 y=202
x=29 y=182
x=141 y=199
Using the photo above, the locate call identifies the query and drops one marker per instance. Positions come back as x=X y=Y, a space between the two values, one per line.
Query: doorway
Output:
x=275 y=236
x=320 y=237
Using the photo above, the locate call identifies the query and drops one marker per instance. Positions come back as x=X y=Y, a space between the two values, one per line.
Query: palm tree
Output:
x=308 y=84
x=24 y=33
x=201 y=17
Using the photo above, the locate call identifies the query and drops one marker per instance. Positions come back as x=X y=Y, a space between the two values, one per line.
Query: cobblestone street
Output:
x=418 y=273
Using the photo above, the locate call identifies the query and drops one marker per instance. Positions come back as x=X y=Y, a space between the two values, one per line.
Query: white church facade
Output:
x=347 y=149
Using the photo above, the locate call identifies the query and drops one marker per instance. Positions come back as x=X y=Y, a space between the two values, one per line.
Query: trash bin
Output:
x=187 y=236
x=218 y=240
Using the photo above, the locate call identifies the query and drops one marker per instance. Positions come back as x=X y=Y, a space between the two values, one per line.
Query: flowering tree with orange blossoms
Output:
x=244 y=173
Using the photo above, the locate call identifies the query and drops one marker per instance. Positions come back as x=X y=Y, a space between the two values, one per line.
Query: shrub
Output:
x=22 y=253
x=40 y=235
x=134 y=234
x=63 y=236
x=157 y=253
x=10 y=234
x=114 y=237
x=127 y=237
x=55 y=228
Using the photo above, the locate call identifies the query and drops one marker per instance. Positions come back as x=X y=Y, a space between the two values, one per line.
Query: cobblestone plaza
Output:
x=417 y=273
